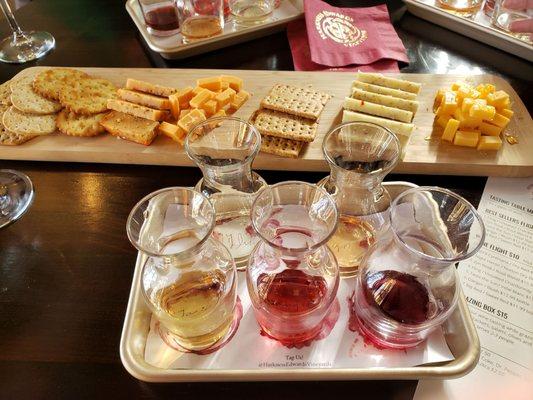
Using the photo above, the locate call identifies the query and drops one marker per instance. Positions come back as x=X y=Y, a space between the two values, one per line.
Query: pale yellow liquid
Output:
x=196 y=28
x=350 y=243
x=249 y=11
x=196 y=309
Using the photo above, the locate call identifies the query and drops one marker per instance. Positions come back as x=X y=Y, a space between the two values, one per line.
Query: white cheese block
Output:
x=377 y=109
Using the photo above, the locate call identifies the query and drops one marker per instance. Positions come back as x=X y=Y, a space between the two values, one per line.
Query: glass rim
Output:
x=450 y=193
x=31 y=190
x=253 y=129
x=391 y=134
x=150 y=196
x=295 y=249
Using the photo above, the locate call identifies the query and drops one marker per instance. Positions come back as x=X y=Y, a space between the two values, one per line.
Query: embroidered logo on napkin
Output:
x=340 y=28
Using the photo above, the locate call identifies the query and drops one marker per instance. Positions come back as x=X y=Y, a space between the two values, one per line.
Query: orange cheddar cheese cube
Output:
x=449 y=103
x=210 y=107
x=175 y=108
x=456 y=85
x=485 y=89
x=442 y=121
x=183 y=113
x=224 y=85
x=201 y=98
x=212 y=83
x=500 y=120
x=480 y=111
x=191 y=119
x=219 y=113
x=507 y=113
x=489 y=143
x=450 y=130
x=498 y=99
x=184 y=96
x=239 y=99
x=466 y=104
x=466 y=138
x=174 y=132
x=224 y=98
x=489 y=129
x=234 y=82
x=459 y=115
x=471 y=122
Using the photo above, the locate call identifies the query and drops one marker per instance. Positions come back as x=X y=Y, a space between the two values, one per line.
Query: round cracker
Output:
x=50 y=82
x=88 y=96
x=8 y=138
x=26 y=100
x=73 y=124
x=5 y=94
x=15 y=83
x=28 y=124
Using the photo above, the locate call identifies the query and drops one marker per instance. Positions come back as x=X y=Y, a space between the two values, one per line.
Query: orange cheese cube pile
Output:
x=473 y=116
x=214 y=96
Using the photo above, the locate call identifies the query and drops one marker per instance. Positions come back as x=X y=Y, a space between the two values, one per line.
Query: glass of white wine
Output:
x=23 y=46
x=250 y=12
x=189 y=278
x=16 y=195
x=360 y=155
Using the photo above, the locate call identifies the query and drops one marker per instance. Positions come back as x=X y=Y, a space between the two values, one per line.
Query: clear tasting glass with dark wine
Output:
x=407 y=285
x=189 y=279
x=360 y=155
x=292 y=276
x=224 y=149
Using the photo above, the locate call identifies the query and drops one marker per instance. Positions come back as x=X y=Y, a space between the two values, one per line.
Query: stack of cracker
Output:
x=26 y=113
x=384 y=101
x=288 y=119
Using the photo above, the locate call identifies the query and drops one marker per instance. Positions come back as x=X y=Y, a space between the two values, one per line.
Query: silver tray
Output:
x=171 y=47
x=478 y=27
x=459 y=332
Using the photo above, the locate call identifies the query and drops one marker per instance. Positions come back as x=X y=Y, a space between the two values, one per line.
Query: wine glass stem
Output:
x=6 y=9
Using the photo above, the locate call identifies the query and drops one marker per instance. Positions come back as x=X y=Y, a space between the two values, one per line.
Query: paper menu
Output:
x=498 y=285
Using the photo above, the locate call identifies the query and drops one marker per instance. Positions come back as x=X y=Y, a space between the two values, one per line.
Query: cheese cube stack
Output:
x=473 y=116
x=214 y=96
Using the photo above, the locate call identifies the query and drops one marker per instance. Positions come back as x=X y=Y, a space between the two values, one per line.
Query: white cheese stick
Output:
x=377 y=109
x=384 y=100
x=381 y=80
x=399 y=128
x=384 y=90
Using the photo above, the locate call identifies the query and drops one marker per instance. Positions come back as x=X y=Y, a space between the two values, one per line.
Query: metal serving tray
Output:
x=478 y=27
x=459 y=332
x=171 y=47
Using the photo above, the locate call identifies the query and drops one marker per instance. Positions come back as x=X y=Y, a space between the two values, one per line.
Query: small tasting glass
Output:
x=466 y=8
x=250 y=12
x=202 y=19
x=503 y=17
x=160 y=16
x=188 y=279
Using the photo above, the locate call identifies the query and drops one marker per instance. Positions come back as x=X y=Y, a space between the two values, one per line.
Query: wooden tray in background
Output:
x=425 y=154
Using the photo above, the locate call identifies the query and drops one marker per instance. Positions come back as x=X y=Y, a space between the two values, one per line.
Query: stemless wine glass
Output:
x=160 y=16
x=360 y=155
x=249 y=12
x=189 y=279
x=16 y=195
x=23 y=46
x=202 y=19
x=466 y=8
x=292 y=275
x=408 y=284
x=224 y=149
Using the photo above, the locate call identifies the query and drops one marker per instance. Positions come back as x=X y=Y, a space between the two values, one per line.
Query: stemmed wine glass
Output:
x=23 y=46
x=16 y=195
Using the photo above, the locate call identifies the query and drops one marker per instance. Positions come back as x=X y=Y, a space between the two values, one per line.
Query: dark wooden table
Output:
x=66 y=267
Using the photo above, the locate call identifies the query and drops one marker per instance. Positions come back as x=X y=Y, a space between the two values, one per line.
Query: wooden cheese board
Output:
x=425 y=154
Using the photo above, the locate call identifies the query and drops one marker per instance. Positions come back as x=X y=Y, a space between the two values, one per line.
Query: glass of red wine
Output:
x=408 y=285
x=292 y=276
x=22 y=46
x=161 y=16
x=16 y=195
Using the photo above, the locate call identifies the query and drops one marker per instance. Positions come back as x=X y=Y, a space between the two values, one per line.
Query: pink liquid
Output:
x=288 y=301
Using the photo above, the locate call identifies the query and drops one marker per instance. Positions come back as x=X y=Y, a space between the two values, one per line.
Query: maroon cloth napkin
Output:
x=343 y=36
x=301 y=54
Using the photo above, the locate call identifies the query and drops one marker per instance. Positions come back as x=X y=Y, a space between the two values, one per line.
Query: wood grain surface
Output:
x=425 y=152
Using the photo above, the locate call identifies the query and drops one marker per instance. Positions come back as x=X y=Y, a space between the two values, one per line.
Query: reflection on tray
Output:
x=477 y=15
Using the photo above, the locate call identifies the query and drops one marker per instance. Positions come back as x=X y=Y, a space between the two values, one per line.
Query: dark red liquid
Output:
x=162 y=19
x=291 y=291
x=400 y=296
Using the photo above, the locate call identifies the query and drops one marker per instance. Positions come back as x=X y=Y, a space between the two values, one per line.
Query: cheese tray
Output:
x=171 y=47
x=424 y=153
x=477 y=27
x=137 y=348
